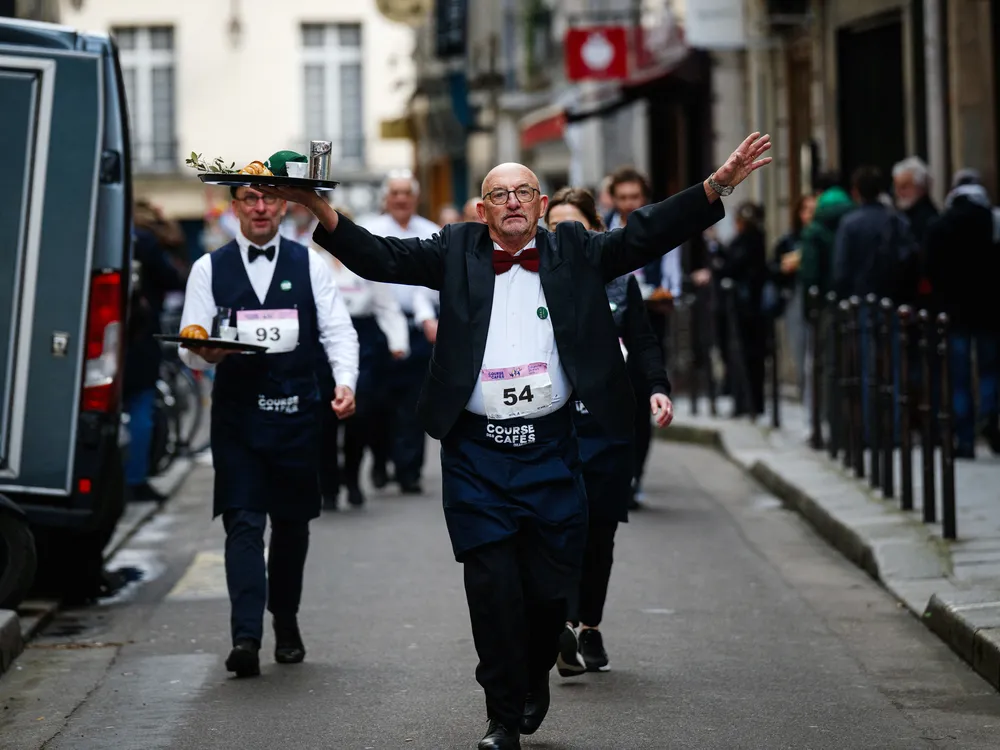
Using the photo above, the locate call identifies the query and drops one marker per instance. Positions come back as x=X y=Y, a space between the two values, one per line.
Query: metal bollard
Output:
x=945 y=419
x=844 y=403
x=905 y=435
x=833 y=367
x=873 y=373
x=816 y=434
x=857 y=383
x=926 y=428
x=775 y=377
x=887 y=400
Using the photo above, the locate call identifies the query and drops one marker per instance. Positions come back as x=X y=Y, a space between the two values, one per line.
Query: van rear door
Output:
x=51 y=130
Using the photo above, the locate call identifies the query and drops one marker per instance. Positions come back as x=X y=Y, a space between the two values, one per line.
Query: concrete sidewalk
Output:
x=953 y=587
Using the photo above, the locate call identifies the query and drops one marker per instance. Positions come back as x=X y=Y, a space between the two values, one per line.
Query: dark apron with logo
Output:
x=265 y=407
x=373 y=364
x=607 y=468
x=504 y=477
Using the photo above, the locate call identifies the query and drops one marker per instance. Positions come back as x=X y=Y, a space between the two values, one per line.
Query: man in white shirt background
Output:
x=397 y=435
x=266 y=410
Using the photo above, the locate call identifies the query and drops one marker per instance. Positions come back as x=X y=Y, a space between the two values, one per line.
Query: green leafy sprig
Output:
x=218 y=166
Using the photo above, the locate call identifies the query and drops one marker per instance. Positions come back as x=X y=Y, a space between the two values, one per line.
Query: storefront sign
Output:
x=597 y=53
x=715 y=24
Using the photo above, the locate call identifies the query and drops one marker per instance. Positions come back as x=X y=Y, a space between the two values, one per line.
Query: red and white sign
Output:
x=597 y=53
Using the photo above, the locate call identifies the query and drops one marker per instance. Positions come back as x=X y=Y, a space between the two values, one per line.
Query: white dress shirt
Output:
x=336 y=332
x=417 y=301
x=517 y=336
x=366 y=298
x=670 y=267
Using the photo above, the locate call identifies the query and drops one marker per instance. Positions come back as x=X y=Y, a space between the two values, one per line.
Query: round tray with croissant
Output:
x=273 y=172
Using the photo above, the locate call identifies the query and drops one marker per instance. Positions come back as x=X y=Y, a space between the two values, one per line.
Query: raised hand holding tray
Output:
x=239 y=346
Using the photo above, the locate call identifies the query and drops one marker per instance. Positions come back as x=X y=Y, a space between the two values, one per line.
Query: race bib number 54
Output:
x=278 y=330
x=516 y=391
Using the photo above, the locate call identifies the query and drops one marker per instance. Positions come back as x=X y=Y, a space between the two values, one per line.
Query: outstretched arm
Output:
x=385 y=259
x=656 y=229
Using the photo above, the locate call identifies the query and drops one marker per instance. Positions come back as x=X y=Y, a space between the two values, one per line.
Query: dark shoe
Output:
x=288 y=646
x=499 y=737
x=244 y=659
x=145 y=492
x=380 y=477
x=330 y=501
x=355 y=496
x=536 y=705
x=570 y=661
x=592 y=648
x=411 y=488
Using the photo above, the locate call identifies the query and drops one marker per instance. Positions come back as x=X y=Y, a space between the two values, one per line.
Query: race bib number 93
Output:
x=278 y=330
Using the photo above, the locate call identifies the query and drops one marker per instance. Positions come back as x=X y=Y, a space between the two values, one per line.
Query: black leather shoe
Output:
x=244 y=659
x=499 y=737
x=288 y=646
x=380 y=477
x=411 y=488
x=355 y=497
x=536 y=705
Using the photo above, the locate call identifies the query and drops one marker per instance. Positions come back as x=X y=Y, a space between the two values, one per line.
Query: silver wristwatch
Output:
x=722 y=190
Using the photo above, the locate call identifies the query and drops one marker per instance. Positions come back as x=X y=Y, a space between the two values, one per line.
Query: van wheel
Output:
x=18 y=561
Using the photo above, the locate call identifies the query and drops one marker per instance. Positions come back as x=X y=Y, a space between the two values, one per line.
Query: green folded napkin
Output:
x=276 y=163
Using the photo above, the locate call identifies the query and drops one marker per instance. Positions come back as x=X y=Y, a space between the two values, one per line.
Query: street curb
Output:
x=967 y=620
x=11 y=643
x=17 y=629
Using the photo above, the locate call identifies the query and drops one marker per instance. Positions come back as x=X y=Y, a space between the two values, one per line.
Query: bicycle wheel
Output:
x=164 y=446
x=189 y=406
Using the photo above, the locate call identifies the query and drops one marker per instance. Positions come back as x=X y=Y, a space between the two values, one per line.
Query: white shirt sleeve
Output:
x=390 y=318
x=423 y=305
x=670 y=267
x=199 y=308
x=336 y=331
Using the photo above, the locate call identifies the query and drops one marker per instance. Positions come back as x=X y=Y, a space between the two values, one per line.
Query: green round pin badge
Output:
x=286 y=285
x=542 y=313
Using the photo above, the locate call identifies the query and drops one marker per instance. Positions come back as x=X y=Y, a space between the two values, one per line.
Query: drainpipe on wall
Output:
x=937 y=151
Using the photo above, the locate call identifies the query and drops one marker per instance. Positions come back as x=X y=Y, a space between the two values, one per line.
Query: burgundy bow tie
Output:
x=503 y=261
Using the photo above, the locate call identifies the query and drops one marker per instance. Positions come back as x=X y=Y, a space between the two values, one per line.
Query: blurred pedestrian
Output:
x=266 y=413
x=607 y=460
x=398 y=436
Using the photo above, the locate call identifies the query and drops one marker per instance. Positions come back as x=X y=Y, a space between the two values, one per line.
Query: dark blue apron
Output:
x=507 y=476
x=607 y=463
x=265 y=407
x=607 y=468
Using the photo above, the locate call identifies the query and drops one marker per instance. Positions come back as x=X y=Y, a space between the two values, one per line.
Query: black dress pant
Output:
x=597 y=562
x=250 y=585
x=515 y=625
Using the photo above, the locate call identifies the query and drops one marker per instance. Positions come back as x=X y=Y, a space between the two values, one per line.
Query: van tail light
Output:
x=104 y=334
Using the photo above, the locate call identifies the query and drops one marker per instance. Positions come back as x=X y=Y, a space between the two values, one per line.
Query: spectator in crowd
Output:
x=816 y=242
x=745 y=262
x=449 y=215
x=962 y=266
x=911 y=183
x=874 y=253
x=469 y=212
x=158 y=272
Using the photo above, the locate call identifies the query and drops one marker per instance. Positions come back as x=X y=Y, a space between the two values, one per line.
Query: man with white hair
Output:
x=398 y=435
x=911 y=182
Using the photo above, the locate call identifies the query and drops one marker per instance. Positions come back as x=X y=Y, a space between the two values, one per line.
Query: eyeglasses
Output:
x=250 y=199
x=524 y=194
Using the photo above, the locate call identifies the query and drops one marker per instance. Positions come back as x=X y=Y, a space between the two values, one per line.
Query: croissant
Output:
x=256 y=168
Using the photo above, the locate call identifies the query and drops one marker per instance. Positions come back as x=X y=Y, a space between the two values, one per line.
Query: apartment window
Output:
x=333 y=102
x=147 y=61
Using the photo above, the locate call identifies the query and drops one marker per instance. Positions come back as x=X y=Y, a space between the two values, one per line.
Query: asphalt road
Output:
x=729 y=625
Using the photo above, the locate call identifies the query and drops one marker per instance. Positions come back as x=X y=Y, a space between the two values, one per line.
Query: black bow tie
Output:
x=256 y=252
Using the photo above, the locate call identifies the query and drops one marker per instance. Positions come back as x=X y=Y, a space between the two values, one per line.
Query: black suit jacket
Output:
x=575 y=266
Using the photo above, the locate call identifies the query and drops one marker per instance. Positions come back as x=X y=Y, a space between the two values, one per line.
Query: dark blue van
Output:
x=65 y=261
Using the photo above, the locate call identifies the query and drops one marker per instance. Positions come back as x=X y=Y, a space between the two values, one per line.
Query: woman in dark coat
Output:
x=608 y=463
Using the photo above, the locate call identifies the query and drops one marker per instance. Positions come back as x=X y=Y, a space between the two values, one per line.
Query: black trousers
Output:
x=597 y=562
x=357 y=435
x=250 y=586
x=515 y=626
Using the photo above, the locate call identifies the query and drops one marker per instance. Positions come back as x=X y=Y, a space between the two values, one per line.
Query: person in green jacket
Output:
x=816 y=267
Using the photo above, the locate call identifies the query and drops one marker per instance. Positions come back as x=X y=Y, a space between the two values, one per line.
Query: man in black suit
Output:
x=524 y=329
